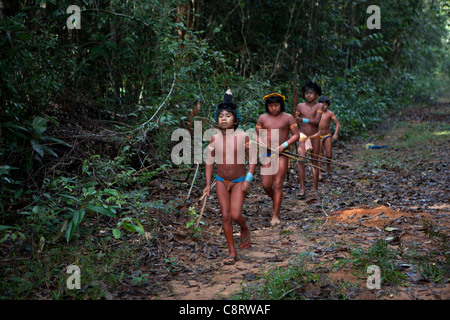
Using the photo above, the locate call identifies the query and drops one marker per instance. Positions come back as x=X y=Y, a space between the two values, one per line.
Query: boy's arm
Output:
x=295 y=133
x=315 y=135
x=252 y=151
x=252 y=155
x=259 y=126
x=338 y=127
x=297 y=114
x=314 y=121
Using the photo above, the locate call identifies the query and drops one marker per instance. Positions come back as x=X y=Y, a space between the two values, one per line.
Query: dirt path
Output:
x=385 y=194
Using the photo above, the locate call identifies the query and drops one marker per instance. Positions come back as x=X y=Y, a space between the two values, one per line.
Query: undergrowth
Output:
x=297 y=281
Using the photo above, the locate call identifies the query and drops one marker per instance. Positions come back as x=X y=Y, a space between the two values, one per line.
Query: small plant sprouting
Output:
x=379 y=254
x=192 y=223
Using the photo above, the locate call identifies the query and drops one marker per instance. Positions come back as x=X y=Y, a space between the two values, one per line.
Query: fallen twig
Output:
x=289 y=291
x=367 y=218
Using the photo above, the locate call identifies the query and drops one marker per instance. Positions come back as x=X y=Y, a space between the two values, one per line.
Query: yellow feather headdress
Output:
x=274 y=95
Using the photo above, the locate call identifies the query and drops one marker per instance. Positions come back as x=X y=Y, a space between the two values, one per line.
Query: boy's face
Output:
x=310 y=95
x=226 y=120
x=274 y=108
x=325 y=106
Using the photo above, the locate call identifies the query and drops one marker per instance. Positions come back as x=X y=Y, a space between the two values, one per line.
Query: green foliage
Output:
x=148 y=63
x=129 y=224
x=139 y=280
x=11 y=232
x=64 y=203
x=278 y=283
x=434 y=232
x=30 y=142
x=191 y=225
x=9 y=190
x=170 y=207
x=30 y=64
x=297 y=280
x=172 y=264
x=379 y=254
x=187 y=55
x=438 y=270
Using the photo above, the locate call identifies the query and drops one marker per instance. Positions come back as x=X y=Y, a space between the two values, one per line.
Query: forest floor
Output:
x=388 y=207
x=399 y=194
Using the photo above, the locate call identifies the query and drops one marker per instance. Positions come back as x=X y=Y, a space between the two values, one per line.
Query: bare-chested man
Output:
x=307 y=115
x=272 y=130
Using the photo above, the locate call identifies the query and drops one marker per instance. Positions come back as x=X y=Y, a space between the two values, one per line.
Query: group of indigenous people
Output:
x=275 y=131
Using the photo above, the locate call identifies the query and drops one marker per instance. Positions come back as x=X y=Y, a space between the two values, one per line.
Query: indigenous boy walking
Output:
x=273 y=128
x=325 y=132
x=307 y=115
x=228 y=148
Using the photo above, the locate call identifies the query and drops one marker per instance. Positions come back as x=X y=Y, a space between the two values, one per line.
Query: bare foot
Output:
x=274 y=222
x=301 y=194
x=245 y=238
x=229 y=260
x=314 y=194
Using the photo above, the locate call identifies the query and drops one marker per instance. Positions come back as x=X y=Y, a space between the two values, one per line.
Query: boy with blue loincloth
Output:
x=228 y=148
